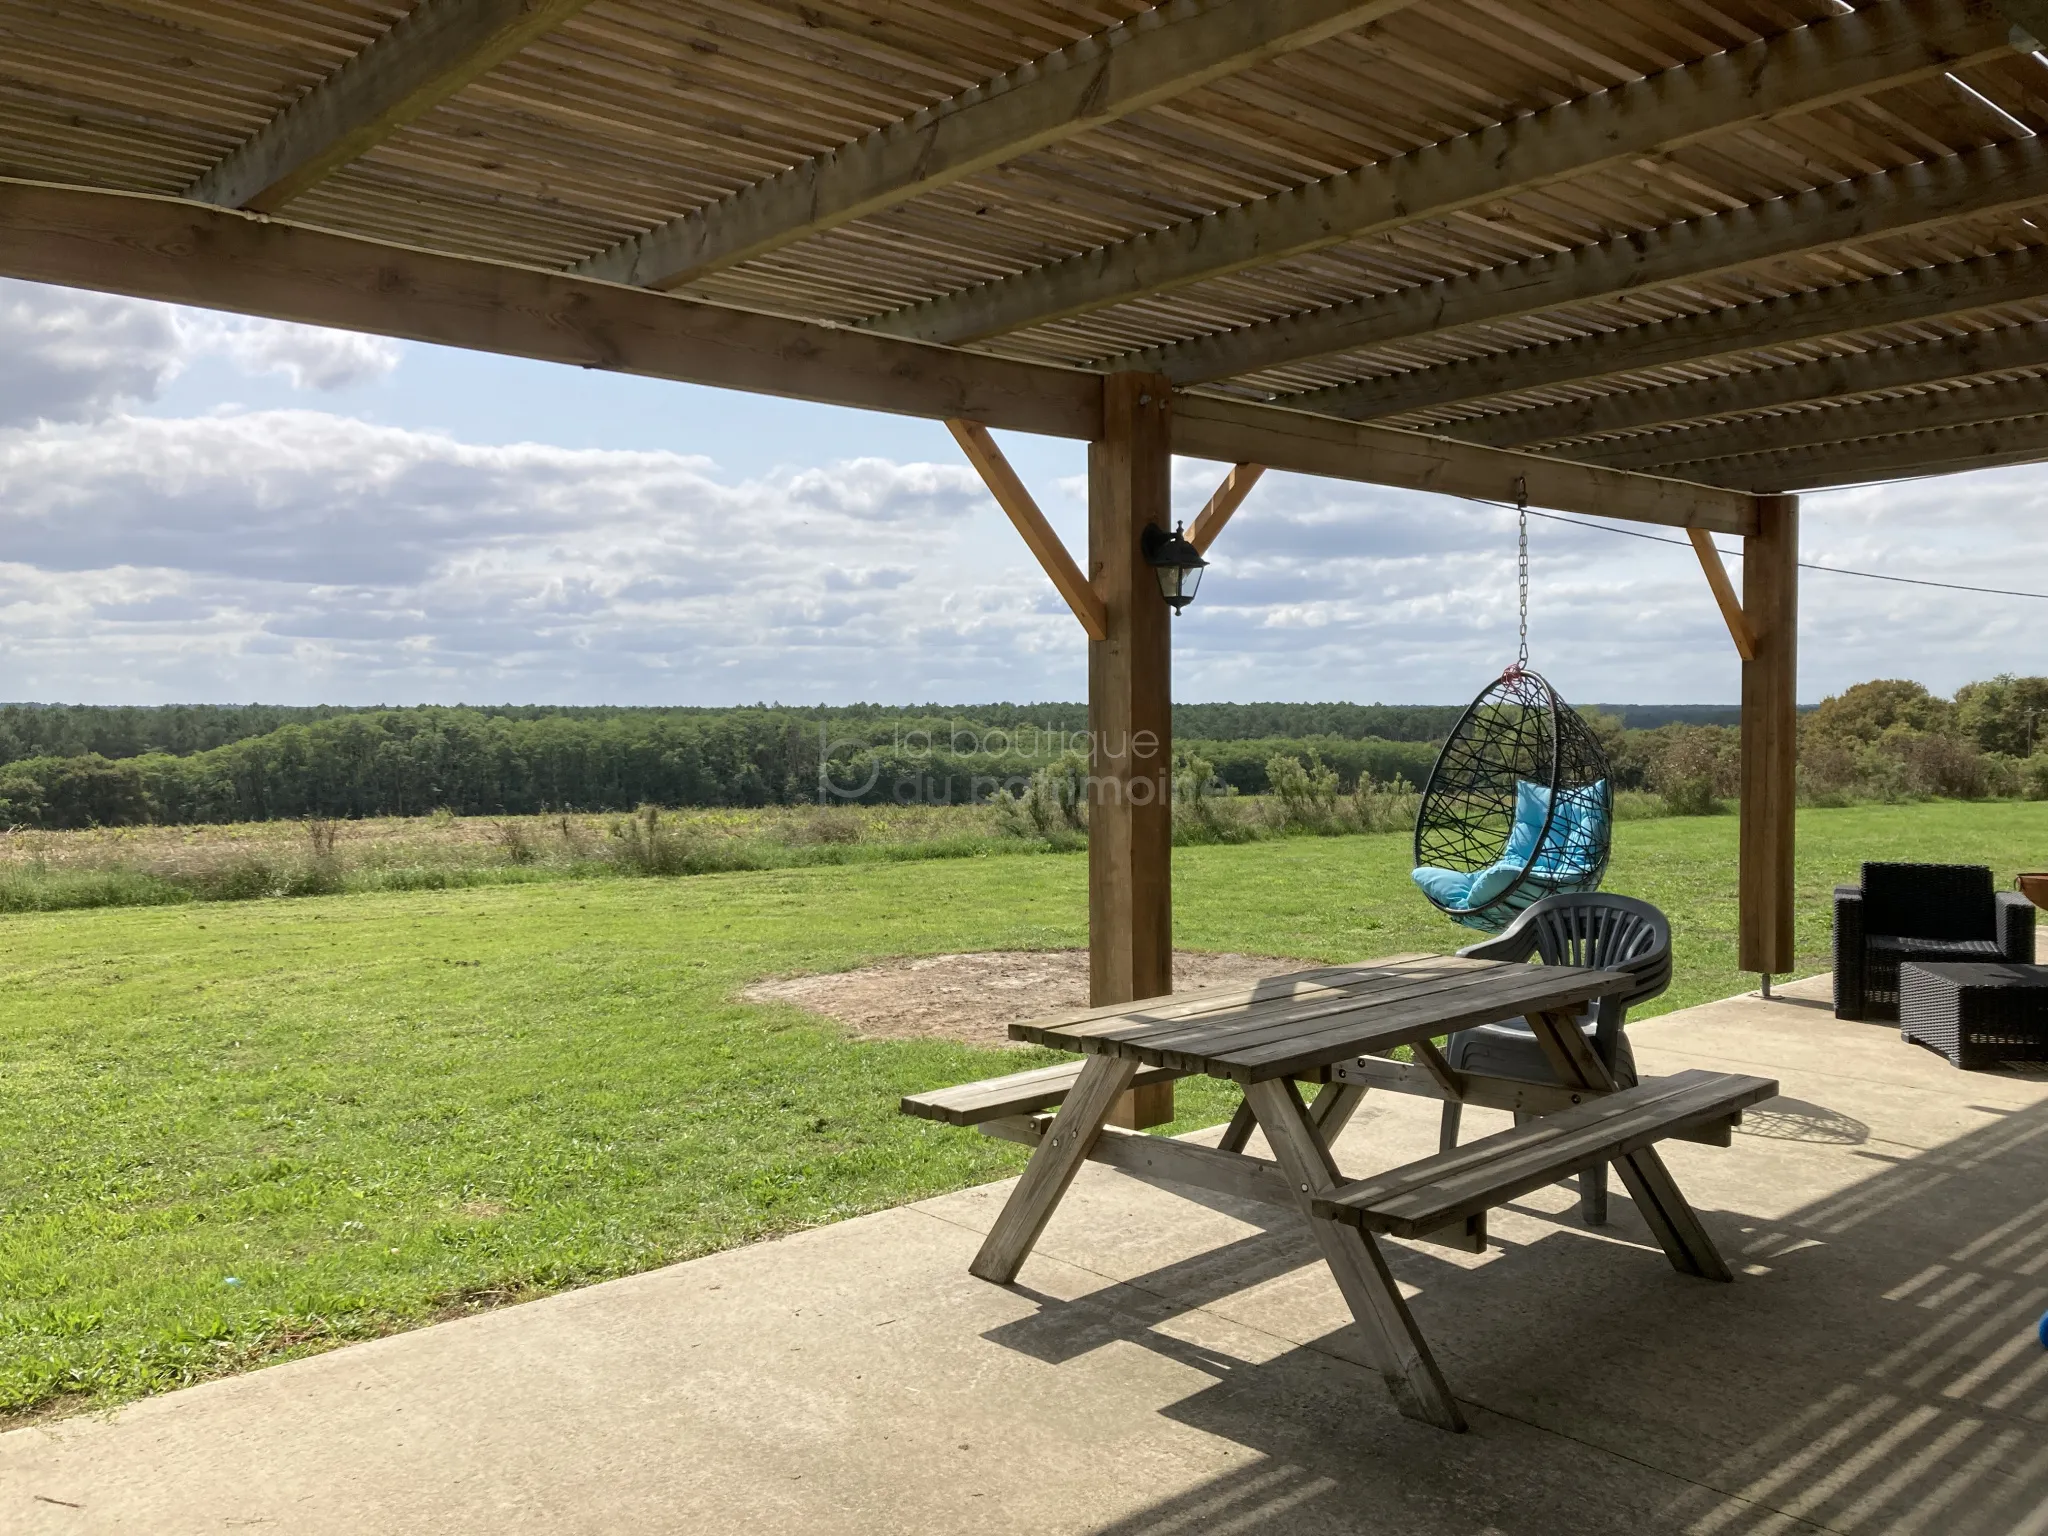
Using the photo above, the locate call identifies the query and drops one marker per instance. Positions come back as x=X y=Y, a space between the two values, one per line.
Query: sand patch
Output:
x=975 y=998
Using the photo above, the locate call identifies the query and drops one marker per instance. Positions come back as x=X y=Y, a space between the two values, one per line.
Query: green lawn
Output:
x=238 y=1131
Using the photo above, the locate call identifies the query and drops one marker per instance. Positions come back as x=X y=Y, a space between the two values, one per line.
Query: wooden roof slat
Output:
x=1838 y=310
x=1950 y=404
x=1935 y=450
x=1991 y=350
x=427 y=56
x=189 y=253
x=1825 y=61
x=1170 y=50
x=1977 y=181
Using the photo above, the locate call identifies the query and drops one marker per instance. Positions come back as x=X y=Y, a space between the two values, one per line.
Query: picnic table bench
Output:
x=1331 y=1028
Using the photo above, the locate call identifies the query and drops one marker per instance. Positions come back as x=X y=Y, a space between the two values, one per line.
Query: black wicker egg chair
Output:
x=1517 y=808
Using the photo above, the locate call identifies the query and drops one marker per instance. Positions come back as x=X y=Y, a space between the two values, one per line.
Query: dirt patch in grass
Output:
x=975 y=998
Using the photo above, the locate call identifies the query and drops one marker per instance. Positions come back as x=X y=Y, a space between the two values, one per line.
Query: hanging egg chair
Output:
x=1517 y=807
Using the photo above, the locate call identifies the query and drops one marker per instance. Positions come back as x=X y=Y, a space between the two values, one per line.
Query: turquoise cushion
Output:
x=1576 y=834
x=1532 y=804
x=1457 y=888
x=1445 y=887
x=1491 y=881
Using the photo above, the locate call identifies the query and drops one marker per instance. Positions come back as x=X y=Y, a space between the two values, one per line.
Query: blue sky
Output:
x=198 y=507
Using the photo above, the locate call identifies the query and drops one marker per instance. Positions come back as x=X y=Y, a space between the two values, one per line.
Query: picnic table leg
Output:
x=1676 y=1225
x=1398 y=1349
x=1054 y=1162
x=1330 y=1113
x=1240 y=1129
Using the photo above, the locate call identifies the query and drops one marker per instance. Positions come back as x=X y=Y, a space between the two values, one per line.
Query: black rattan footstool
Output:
x=1976 y=1015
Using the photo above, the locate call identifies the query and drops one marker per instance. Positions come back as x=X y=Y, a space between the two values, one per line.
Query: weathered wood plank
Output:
x=1762 y=444
x=1157 y=55
x=1891 y=367
x=429 y=54
x=1323 y=981
x=1499 y=1168
x=1942 y=451
x=1407 y=1022
x=1801 y=70
x=2009 y=277
x=1995 y=179
x=1503 y=1093
x=1148 y=1026
x=1020 y=1093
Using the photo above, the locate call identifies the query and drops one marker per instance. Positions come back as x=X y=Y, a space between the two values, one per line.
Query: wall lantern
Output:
x=1176 y=562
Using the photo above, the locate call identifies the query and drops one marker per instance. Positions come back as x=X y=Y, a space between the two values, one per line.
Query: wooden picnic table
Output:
x=1334 y=1027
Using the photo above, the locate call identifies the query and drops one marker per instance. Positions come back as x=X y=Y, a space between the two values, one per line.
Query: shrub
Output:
x=1385 y=807
x=1053 y=806
x=1205 y=809
x=1305 y=793
x=2034 y=777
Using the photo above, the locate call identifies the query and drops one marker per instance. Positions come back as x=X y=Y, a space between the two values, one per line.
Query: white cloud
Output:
x=73 y=356
x=307 y=356
x=300 y=555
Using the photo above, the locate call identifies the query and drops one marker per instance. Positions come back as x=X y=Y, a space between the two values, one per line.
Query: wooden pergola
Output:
x=1659 y=260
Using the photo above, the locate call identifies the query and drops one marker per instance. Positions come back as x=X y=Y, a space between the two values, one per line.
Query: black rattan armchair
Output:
x=1932 y=912
x=1612 y=933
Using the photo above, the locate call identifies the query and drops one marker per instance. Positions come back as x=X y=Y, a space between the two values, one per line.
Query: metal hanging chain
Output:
x=1522 y=564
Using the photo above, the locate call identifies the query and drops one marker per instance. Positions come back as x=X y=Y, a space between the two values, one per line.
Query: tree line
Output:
x=81 y=766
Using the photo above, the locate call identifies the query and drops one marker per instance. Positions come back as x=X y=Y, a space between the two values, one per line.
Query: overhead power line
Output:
x=1804 y=565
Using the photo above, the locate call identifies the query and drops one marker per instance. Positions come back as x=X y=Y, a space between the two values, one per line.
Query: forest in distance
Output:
x=72 y=766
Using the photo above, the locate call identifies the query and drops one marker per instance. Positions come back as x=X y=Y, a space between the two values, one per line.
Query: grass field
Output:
x=240 y=1131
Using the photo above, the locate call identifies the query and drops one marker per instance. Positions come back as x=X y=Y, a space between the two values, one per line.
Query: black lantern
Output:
x=1176 y=562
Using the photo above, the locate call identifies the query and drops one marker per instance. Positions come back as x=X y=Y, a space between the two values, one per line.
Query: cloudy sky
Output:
x=197 y=507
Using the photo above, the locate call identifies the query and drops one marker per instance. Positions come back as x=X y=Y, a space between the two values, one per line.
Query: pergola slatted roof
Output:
x=1660 y=260
x=1741 y=244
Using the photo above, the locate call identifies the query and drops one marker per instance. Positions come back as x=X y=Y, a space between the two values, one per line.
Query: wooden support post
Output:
x=1130 y=723
x=1770 y=604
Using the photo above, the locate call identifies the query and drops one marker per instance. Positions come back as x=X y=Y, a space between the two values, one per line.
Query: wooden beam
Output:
x=1130 y=711
x=1015 y=500
x=1223 y=505
x=1156 y=55
x=1693 y=452
x=2030 y=17
x=1939 y=451
x=2010 y=277
x=429 y=54
x=1920 y=362
x=1970 y=184
x=187 y=253
x=1205 y=427
x=1724 y=592
x=1770 y=739
x=1799 y=70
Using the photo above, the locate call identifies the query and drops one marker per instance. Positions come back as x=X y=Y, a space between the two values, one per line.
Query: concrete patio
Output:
x=1167 y=1368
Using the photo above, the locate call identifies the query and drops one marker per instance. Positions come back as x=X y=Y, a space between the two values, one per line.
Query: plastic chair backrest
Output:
x=1929 y=901
x=1595 y=929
